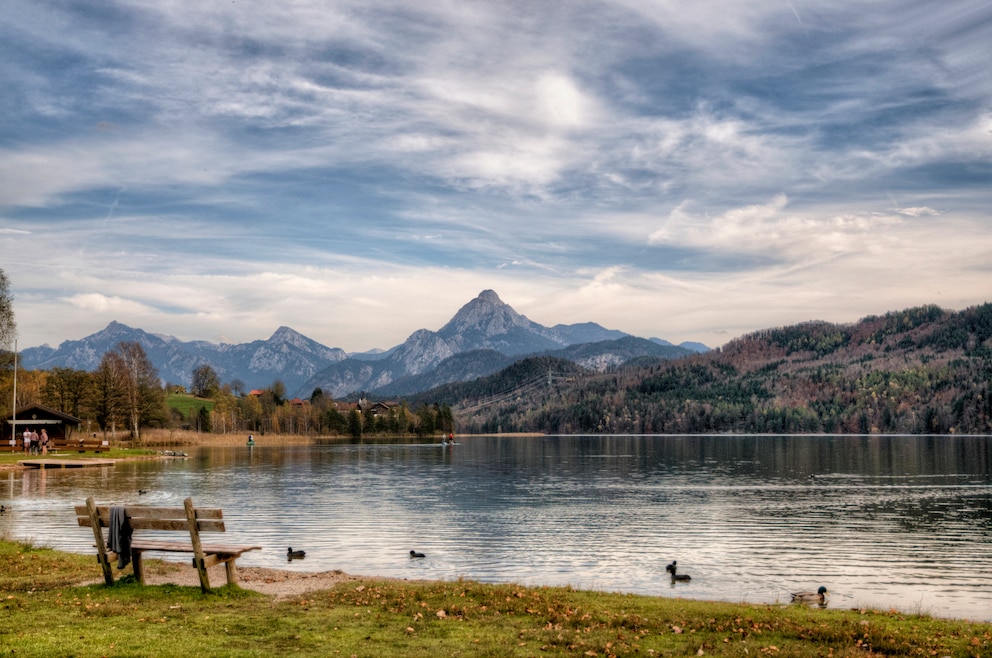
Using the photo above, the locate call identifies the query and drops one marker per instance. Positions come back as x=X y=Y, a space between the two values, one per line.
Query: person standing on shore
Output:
x=34 y=442
x=27 y=440
x=44 y=441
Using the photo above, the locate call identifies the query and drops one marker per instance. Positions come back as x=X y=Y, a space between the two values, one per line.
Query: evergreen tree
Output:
x=203 y=420
x=66 y=389
x=355 y=424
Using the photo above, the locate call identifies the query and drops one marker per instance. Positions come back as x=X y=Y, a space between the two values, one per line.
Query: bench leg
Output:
x=232 y=572
x=139 y=567
x=101 y=545
x=108 y=571
x=201 y=569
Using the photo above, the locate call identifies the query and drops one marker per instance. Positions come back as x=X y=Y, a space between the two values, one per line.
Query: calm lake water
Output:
x=884 y=521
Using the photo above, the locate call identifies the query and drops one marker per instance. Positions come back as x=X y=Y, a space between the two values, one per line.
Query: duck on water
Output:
x=677 y=577
x=819 y=597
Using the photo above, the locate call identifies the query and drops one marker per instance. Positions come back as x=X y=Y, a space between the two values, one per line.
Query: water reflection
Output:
x=886 y=521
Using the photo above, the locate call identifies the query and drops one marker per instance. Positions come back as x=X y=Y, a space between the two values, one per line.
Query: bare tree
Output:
x=205 y=382
x=107 y=402
x=137 y=383
x=8 y=328
x=8 y=332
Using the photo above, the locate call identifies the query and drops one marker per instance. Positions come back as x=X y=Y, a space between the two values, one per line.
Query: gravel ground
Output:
x=274 y=582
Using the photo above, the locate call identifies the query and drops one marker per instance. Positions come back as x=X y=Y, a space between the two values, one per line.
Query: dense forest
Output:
x=921 y=370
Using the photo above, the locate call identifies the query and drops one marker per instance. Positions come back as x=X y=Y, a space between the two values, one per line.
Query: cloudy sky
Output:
x=360 y=169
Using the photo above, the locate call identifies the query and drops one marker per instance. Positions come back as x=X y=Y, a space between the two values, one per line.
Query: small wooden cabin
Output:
x=60 y=426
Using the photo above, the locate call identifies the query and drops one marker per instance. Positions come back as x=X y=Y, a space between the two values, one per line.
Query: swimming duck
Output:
x=295 y=555
x=819 y=596
x=416 y=554
x=677 y=577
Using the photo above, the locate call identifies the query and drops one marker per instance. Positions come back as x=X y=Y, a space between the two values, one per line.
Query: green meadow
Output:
x=185 y=403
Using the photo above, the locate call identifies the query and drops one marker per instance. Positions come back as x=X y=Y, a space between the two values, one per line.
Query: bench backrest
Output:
x=209 y=519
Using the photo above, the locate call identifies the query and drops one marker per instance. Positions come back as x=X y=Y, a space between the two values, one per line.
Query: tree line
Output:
x=125 y=395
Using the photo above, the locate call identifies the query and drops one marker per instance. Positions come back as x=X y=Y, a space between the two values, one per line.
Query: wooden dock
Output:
x=65 y=463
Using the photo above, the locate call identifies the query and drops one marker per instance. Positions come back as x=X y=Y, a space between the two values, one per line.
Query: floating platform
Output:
x=65 y=463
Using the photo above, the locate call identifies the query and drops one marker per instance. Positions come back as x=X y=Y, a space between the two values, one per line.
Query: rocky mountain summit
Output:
x=485 y=335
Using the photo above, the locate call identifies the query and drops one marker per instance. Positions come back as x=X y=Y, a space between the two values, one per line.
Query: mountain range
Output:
x=484 y=336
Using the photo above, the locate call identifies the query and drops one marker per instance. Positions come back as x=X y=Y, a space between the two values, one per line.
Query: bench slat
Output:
x=181 y=547
x=153 y=512
x=161 y=524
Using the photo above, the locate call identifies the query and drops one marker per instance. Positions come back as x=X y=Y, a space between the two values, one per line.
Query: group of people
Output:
x=35 y=444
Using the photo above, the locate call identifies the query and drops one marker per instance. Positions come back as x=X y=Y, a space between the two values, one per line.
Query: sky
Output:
x=360 y=169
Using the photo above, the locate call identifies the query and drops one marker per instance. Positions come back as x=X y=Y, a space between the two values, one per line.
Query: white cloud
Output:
x=767 y=229
x=921 y=211
x=108 y=305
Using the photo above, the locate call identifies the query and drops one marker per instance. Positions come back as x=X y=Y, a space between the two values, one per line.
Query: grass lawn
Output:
x=11 y=458
x=43 y=612
x=185 y=403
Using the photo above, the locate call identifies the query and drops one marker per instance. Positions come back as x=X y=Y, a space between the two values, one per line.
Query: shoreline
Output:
x=285 y=584
x=158 y=441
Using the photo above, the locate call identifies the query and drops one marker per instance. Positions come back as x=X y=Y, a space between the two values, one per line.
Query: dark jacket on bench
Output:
x=119 y=535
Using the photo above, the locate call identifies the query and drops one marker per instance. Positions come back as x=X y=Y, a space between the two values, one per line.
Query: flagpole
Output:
x=13 y=418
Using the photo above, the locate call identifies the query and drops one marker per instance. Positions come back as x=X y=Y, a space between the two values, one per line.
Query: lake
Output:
x=882 y=521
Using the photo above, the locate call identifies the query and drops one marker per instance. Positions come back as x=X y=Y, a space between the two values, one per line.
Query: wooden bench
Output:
x=87 y=445
x=187 y=519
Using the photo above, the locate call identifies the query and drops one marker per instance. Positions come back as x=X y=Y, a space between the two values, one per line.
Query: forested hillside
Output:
x=921 y=370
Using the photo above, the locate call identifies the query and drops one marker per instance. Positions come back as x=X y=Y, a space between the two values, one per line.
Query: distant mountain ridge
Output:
x=484 y=336
x=287 y=355
x=483 y=326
